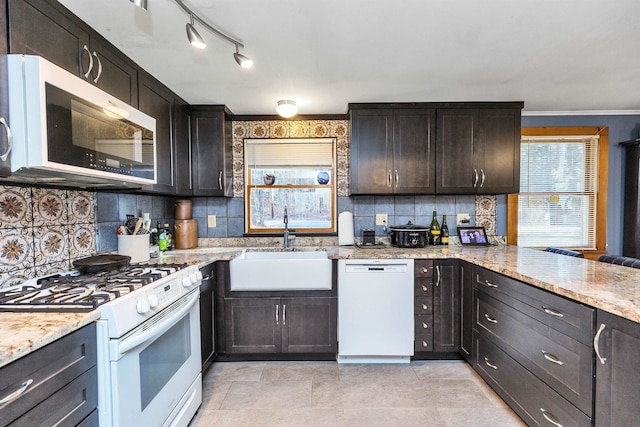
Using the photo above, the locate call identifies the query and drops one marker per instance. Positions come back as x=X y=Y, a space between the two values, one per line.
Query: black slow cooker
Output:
x=409 y=235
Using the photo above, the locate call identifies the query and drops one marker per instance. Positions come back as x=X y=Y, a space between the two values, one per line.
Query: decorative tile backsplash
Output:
x=43 y=230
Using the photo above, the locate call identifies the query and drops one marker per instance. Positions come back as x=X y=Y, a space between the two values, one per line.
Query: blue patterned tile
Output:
x=51 y=244
x=16 y=249
x=80 y=207
x=15 y=207
x=16 y=277
x=49 y=207
x=82 y=240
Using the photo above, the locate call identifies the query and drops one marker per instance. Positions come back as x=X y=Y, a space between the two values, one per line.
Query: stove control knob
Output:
x=153 y=300
x=143 y=307
x=186 y=282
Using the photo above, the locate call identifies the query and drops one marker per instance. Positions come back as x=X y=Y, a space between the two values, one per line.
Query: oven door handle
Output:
x=157 y=330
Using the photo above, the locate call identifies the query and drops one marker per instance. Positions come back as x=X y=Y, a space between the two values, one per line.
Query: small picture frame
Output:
x=473 y=236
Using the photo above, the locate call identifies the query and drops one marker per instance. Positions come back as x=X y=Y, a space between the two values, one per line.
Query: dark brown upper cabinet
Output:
x=478 y=151
x=392 y=150
x=211 y=151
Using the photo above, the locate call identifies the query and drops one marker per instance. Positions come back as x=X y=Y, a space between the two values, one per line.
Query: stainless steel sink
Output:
x=280 y=271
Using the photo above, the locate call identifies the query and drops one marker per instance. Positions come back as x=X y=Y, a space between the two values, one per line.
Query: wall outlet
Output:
x=382 y=219
x=211 y=221
x=463 y=219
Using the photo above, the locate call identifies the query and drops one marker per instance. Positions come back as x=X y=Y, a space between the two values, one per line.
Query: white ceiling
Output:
x=555 y=55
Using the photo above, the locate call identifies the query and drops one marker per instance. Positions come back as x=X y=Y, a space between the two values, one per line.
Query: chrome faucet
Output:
x=286 y=236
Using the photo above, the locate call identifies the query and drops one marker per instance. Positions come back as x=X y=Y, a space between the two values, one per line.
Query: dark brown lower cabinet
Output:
x=446 y=307
x=281 y=325
x=618 y=378
x=465 y=271
x=207 y=298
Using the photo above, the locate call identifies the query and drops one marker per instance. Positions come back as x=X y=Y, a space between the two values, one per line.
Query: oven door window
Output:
x=162 y=359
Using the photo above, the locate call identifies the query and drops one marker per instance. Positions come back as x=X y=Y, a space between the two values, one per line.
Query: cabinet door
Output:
x=456 y=142
x=414 y=151
x=39 y=27
x=252 y=325
x=446 y=307
x=466 y=310
x=182 y=140
x=309 y=325
x=371 y=151
x=207 y=141
x=618 y=379
x=117 y=76
x=207 y=295
x=157 y=101
x=498 y=151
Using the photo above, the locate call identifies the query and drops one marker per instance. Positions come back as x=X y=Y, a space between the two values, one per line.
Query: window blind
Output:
x=558 y=191
x=274 y=153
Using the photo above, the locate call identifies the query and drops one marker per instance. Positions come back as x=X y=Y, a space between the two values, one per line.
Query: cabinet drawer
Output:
x=566 y=316
x=47 y=370
x=423 y=268
x=528 y=396
x=423 y=306
x=560 y=361
x=424 y=333
x=423 y=287
x=67 y=406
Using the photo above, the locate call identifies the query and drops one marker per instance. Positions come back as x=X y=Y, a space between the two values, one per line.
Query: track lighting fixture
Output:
x=195 y=38
x=197 y=41
x=286 y=108
x=142 y=4
x=242 y=60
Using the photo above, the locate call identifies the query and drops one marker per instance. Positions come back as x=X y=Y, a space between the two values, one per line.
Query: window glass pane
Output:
x=289 y=176
x=307 y=208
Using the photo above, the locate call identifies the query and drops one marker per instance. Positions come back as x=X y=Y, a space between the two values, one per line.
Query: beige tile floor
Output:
x=423 y=393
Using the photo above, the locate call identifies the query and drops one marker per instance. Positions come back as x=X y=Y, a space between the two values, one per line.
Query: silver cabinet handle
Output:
x=425 y=326
x=552 y=312
x=95 y=80
x=596 y=344
x=425 y=270
x=9 y=139
x=547 y=416
x=475 y=178
x=490 y=319
x=438 y=275
x=424 y=344
x=489 y=364
x=88 y=73
x=424 y=306
x=220 y=180
x=284 y=314
x=389 y=178
x=19 y=392
x=277 y=314
x=482 y=180
x=424 y=288
x=397 y=178
x=552 y=358
x=489 y=284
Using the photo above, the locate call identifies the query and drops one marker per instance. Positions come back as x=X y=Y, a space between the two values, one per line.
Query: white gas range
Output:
x=148 y=337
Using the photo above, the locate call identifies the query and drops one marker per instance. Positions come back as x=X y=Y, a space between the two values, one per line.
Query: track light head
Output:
x=195 y=38
x=142 y=4
x=242 y=60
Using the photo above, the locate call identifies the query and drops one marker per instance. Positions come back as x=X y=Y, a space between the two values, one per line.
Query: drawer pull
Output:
x=424 y=344
x=489 y=284
x=490 y=319
x=424 y=325
x=547 y=416
x=277 y=314
x=424 y=288
x=438 y=278
x=489 y=364
x=596 y=344
x=425 y=270
x=552 y=358
x=424 y=306
x=17 y=393
x=552 y=312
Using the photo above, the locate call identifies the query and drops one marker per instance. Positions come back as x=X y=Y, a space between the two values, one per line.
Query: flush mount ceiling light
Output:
x=195 y=38
x=197 y=41
x=140 y=3
x=286 y=108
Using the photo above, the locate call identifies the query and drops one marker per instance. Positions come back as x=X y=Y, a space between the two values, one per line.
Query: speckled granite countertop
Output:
x=608 y=287
x=22 y=333
x=612 y=288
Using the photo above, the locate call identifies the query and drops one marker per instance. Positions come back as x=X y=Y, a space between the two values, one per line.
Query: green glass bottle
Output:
x=434 y=230
x=444 y=231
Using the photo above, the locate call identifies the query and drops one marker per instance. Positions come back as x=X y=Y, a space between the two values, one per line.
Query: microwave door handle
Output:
x=88 y=73
x=157 y=330
x=9 y=139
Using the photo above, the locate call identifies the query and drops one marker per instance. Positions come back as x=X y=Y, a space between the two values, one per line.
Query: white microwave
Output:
x=66 y=131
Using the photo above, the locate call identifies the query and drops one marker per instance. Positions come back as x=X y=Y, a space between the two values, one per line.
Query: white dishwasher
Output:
x=375 y=310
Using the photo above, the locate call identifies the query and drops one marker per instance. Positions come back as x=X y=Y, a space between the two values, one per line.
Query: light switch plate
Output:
x=211 y=221
x=463 y=219
x=382 y=219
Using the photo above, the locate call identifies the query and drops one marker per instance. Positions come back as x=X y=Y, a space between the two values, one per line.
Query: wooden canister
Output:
x=183 y=209
x=186 y=233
